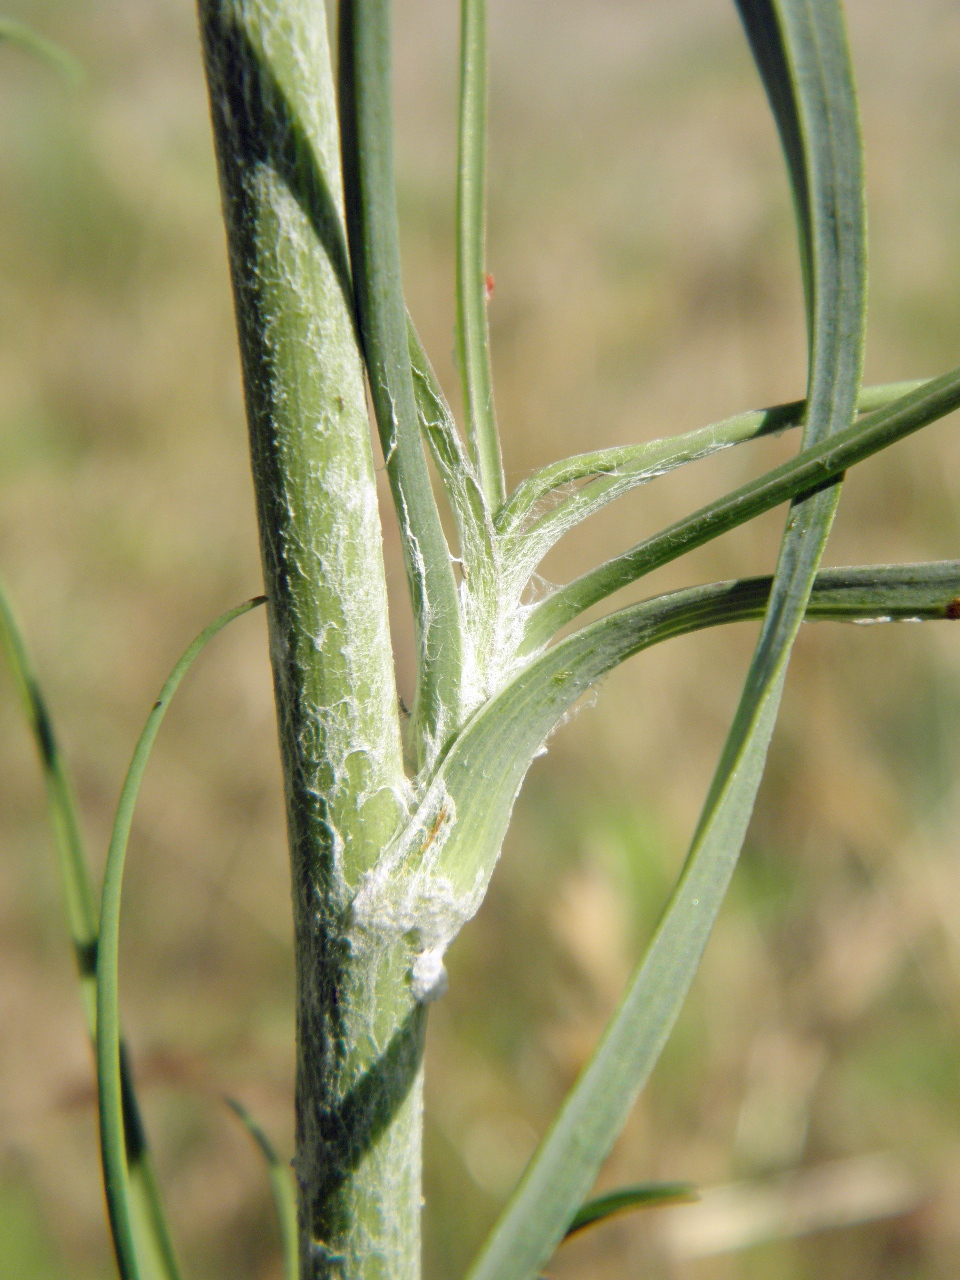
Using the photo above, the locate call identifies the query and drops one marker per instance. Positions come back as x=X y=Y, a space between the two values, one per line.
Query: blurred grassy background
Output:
x=642 y=243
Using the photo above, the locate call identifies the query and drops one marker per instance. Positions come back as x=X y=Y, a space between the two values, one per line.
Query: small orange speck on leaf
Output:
x=434 y=831
x=489 y=284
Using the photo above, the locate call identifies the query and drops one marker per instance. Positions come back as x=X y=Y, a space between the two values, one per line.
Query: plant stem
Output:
x=359 y=1030
x=473 y=340
x=365 y=94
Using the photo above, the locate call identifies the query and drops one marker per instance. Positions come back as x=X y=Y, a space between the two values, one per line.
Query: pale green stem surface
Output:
x=359 y=1029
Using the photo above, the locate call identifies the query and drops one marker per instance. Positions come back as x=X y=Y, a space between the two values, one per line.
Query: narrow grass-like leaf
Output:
x=648 y=1195
x=109 y=1070
x=760 y=20
x=655 y=457
x=371 y=207
x=18 y=33
x=454 y=838
x=810 y=470
x=80 y=898
x=281 y=1185
x=561 y=1173
x=78 y=892
x=610 y=473
x=804 y=60
x=473 y=338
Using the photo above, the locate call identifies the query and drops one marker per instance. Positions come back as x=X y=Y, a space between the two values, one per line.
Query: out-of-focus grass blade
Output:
x=804 y=59
x=281 y=1184
x=13 y=32
x=109 y=1073
x=78 y=893
x=648 y=1195
x=80 y=898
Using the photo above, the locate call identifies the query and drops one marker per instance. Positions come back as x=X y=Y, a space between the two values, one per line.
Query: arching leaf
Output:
x=109 y=1071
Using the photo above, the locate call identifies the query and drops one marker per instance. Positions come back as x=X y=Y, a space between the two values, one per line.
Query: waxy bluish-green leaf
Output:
x=497 y=747
x=109 y=1070
x=281 y=1187
x=80 y=900
x=448 y=850
x=610 y=473
x=648 y=1195
x=371 y=208
x=808 y=471
x=803 y=59
x=473 y=339
x=656 y=457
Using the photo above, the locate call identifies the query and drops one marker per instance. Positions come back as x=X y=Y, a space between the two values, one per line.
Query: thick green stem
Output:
x=359 y=1029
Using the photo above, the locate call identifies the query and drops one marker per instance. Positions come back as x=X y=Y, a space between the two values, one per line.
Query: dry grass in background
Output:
x=646 y=282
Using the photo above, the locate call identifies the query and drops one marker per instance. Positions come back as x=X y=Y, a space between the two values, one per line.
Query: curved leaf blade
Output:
x=561 y=1173
x=281 y=1187
x=648 y=1195
x=451 y=844
x=611 y=473
x=78 y=892
x=365 y=99
x=810 y=470
x=18 y=33
x=656 y=457
x=805 y=65
x=803 y=58
x=109 y=1071
x=80 y=899
x=810 y=69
